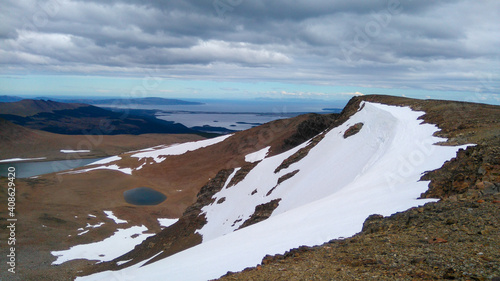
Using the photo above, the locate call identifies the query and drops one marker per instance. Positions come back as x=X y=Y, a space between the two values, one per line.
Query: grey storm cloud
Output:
x=446 y=45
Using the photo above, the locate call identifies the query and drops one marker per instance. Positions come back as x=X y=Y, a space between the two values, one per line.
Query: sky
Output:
x=248 y=49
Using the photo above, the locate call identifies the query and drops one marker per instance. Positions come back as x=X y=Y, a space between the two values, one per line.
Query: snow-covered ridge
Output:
x=338 y=185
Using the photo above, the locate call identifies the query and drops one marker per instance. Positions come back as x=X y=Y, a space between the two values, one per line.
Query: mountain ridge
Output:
x=227 y=171
x=468 y=183
x=352 y=107
x=126 y=101
x=29 y=107
x=78 y=119
x=20 y=142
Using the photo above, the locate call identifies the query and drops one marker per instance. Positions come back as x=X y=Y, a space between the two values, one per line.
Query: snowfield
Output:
x=258 y=155
x=157 y=153
x=123 y=241
x=338 y=185
x=166 y=222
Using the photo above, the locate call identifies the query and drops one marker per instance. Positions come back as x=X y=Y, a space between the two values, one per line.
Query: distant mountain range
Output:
x=110 y=101
x=78 y=118
x=10 y=98
x=26 y=108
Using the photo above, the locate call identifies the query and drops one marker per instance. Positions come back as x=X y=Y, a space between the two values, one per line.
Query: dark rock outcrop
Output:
x=262 y=212
x=282 y=179
x=354 y=129
x=309 y=128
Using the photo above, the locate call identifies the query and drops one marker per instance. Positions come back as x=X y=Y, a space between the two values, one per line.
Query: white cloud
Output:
x=425 y=46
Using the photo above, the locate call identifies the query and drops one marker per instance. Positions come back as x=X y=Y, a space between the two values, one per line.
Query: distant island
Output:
x=334 y=110
x=142 y=101
x=110 y=101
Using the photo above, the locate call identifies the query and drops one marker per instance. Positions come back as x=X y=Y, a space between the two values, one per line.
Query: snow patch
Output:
x=159 y=153
x=121 y=242
x=94 y=226
x=258 y=155
x=114 y=167
x=83 y=232
x=110 y=215
x=74 y=151
x=122 y=262
x=21 y=159
x=167 y=222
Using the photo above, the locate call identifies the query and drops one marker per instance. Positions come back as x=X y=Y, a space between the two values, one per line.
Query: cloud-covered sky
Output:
x=252 y=48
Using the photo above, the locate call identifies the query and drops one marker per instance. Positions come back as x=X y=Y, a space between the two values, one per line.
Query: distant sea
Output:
x=245 y=106
x=236 y=114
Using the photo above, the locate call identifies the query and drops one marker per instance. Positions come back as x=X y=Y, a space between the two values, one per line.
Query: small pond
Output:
x=143 y=196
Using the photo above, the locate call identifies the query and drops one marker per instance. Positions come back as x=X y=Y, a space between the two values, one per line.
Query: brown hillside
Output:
x=62 y=202
x=21 y=142
x=29 y=107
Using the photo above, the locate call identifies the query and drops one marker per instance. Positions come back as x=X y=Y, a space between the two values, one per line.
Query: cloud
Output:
x=353 y=94
x=383 y=43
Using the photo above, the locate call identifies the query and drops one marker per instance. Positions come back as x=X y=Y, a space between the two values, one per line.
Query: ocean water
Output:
x=244 y=106
x=236 y=122
x=235 y=114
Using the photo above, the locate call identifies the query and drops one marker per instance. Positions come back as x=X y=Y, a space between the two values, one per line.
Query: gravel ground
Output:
x=457 y=239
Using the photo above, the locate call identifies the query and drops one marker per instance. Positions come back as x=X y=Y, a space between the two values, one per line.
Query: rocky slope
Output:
x=457 y=238
x=449 y=240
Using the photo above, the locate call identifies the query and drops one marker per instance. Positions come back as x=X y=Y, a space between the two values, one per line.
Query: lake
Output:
x=143 y=196
x=31 y=169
